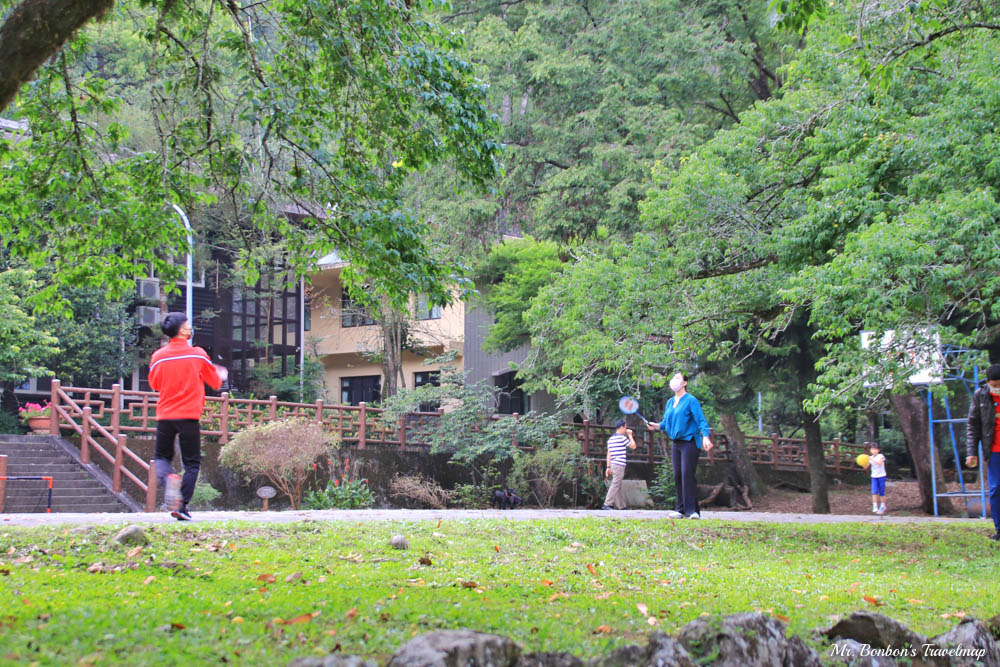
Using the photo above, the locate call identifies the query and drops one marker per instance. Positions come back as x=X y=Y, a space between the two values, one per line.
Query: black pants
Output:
x=685 y=457
x=188 y=431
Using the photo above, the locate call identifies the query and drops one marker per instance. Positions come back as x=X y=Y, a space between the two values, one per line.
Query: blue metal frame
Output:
x=953 y=351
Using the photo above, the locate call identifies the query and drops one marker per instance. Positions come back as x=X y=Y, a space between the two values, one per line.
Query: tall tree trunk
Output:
x=738 y=452
x=393 y=336
x=871 y=426
x=817 y=464
x=34 y=32
x=911 y=410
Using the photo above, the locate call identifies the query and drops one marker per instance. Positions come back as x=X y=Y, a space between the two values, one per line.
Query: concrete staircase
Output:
x=75 y=487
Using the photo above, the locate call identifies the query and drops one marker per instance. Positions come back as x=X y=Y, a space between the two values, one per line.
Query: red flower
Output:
x=365 y=480
x=336 y=482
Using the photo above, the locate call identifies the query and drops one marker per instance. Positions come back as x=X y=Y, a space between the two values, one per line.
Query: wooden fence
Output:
x=115 y=414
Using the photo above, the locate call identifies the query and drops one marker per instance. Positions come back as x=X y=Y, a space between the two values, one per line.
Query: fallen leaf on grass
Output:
x=782 y=617
x=439 y=523
x=874 y=601
x=424 y=560
x=5 y=572
x=148 y=580
x=592 y=569
x=267 y=578
x=602 y=630
x=302 y=618
x=546 y=582
x=469 y=584
x=292 y=578
x=351 y=613
x=497 y=548
x=652 y=620
x=556 y=596
x=643 y=609
x=603 y=596
x=915 y=601
x=135 y=551
x=237 y=619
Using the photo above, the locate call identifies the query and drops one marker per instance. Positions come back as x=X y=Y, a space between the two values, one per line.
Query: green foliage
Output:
x=471 y=496
x=268 y=380
x=341 y=494
x=24 y=346
x=662 y=490
x=283 y=451
x=541 y=473
x=204 y=495
x=10 y=424
x=351 y=565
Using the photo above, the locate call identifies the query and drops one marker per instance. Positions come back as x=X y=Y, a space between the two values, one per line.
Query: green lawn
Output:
x=204 y=592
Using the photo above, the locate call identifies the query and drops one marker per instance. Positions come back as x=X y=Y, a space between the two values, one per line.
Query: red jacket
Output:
x=180 y=372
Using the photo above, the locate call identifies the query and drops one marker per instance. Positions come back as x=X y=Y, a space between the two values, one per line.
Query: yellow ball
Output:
x=862 y=460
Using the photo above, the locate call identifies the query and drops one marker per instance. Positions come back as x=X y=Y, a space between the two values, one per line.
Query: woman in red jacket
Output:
x=179 y=372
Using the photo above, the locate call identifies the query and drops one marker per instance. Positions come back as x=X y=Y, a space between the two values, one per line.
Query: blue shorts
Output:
x=878 y=486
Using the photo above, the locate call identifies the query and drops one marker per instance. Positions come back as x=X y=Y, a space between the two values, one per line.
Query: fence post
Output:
x=774 y=449
x=116 y=409
x=3 y=480
x=272 y=409
x=402 y=432
x=586 y=437
x=151 y=484
x=85 y=436
x=53 y=413
x=116 y=473
x=362 y=425
x=836 y=454
x=224 y=418
x=319 y=411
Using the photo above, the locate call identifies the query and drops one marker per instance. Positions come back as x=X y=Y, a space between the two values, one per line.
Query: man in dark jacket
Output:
x=984 y=415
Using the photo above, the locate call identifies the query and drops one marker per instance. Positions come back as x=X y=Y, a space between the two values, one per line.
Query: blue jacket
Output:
x=686 y=421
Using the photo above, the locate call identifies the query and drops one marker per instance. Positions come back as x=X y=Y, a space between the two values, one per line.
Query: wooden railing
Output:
x=115 y=414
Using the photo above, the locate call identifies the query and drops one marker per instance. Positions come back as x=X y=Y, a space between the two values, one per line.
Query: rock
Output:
x=994 y=625
x=744 y=640
x=545 y=659
x=623 y=656
x=635 y=493
x=399 y=542
x=132 y=535
x=457 y=648
x=969 y=634
x=849 y=652
x=666 y=651
x=875 y=630
x=333 y=660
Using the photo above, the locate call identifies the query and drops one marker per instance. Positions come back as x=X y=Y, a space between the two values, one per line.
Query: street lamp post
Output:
x=188 y=303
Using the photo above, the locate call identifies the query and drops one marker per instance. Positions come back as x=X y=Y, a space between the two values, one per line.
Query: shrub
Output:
x=662 y=490
x=418 y=489
x=282 y=451
x=542 y=472
x=472 y=496
x=204 y=495
x=9 y=424
x=341 y=494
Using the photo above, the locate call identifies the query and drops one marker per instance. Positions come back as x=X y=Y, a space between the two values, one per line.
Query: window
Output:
x=432 y=378
x=351 y=313
x=425 y=310
x=365 y=388
x=510 y=398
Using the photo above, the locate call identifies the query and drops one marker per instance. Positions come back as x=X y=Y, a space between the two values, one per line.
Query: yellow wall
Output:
x=341 y=349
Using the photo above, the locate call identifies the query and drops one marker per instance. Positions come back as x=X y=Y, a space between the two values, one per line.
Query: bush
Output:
x=282 y=451
x=204 y=495
x=471 y=496
x=341 y=494
x=662 y=490
x=542 y=472
x=9 y=424
x=418 y=489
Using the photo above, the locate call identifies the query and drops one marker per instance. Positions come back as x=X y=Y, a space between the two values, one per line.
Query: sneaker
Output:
x=874 y=510
x=607 y=507
x=172 y=492
x=693 y=515
x=995 y=536
x=181 y=514
x=881 y=510
x=674 y=514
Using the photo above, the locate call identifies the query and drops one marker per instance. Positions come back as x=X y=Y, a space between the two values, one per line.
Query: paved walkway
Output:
x=66 y=518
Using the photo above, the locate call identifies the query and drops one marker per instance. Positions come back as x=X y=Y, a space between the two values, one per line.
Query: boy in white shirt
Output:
x=877 y=462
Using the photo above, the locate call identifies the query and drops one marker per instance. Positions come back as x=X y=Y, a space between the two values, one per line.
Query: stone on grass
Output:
x=969 y=634
x=994 y=625
x=665 y=651
x=399 y=542
x=333 y=660
x=549 y=659
x=876 y=630
x=849 y=652
x=457 y=648
x=623 y=656
x=132 y=535
x=744 y=640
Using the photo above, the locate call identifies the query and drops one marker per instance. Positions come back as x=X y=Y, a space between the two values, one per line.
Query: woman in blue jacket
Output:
x=686 y=426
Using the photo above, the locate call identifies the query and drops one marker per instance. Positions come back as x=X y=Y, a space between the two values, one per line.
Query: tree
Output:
x=303 y=117
x=24 y=346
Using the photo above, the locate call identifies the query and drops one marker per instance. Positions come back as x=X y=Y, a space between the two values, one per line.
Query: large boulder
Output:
x=457 y=648
x=333 y=660
x=132 y=535
x=549 y=659
x=850 y=652
x=875 y=630
x=744 y=640
x=968 y=643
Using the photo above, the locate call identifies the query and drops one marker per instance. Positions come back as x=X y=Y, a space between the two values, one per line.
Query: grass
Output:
x=243 y=593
